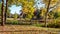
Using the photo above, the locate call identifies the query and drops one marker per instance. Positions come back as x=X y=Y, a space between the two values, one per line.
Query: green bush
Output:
x=16 y=22
x=39 y=25
x=12 y=22
x=53 y=25
x=49 y=25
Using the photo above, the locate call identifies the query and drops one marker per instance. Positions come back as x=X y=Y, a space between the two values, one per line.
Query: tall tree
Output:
x=47 y=12
x=6 y=9
x=3 y=14
x=50 y=4
x=0 y=8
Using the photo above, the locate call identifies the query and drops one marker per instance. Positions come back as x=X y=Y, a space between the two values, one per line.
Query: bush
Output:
x=12 y=22
x=53 y=25
x=39 y=25
x=16 y=22
x=49 y=25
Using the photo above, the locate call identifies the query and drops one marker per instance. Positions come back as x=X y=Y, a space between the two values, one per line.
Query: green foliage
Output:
x=38 y=25
x=29 y=15
x=49 y=25
x=15 y=16
x=51 y=14
x=8 y=13
x=16 y=22
x=13 y=22
x=53 y=25
x=55 y=15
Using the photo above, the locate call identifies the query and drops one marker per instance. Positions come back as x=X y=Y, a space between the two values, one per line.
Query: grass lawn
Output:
x=26 y=29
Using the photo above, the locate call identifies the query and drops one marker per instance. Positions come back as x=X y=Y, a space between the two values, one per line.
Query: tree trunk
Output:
x=47 y=13
x=6 y=9
x=2 y=14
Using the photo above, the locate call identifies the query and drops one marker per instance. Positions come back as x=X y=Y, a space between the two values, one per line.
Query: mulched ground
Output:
x=25 y=29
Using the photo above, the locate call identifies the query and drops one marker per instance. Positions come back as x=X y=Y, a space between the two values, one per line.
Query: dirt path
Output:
x=20 y=29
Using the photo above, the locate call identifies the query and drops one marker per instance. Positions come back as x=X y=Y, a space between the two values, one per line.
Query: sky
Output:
x=0 y=0
x=15 y=8
x=39 y=4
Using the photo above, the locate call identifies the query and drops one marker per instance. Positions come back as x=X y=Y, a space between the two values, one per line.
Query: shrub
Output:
x=53 y=25
x=39 y=25
x=49 y=25
x=12 y=22
x=16 y=22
